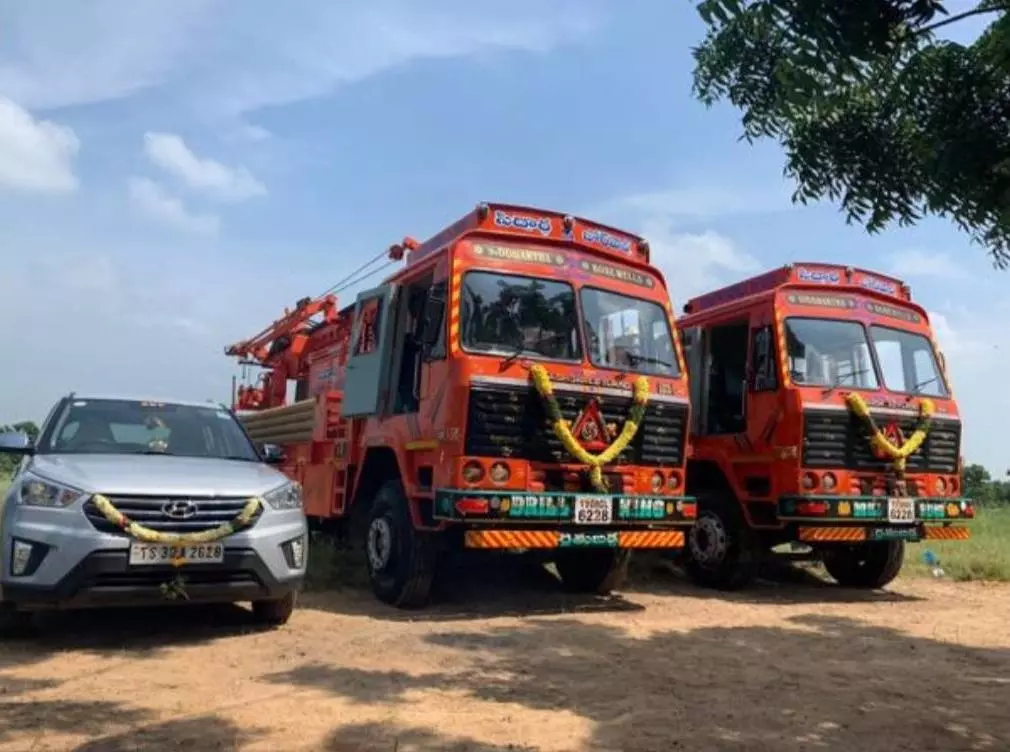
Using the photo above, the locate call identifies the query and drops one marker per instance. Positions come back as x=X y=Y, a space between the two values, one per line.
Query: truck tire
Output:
x=594 y=570
x=720 y=551
x=274 y=612
x=867 y=565
x=401 y=560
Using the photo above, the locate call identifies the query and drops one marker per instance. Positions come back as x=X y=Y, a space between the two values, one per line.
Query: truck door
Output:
x=694 y=353
x=367 y=375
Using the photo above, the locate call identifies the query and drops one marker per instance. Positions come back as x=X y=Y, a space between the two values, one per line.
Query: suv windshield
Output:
x=627 y=333
x=106 y=426
x=827 y=352
x=508 y=314
x=907 y=362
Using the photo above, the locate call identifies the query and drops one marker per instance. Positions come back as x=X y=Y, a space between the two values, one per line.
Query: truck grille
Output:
x=149 y=511
x=839 y=439
x=512 y=422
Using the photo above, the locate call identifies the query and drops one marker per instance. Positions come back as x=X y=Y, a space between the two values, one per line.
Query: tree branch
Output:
x=961 y=16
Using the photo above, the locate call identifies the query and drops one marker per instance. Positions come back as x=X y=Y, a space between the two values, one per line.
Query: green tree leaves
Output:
x=874 y=112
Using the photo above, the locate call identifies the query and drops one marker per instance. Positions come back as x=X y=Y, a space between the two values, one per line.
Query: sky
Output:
x=173 y=174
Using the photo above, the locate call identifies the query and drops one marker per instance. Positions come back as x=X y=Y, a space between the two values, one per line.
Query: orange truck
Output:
x=517 y=384
x=823 y=418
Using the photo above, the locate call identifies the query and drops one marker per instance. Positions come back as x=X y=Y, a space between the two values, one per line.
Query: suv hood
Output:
x=142 y=475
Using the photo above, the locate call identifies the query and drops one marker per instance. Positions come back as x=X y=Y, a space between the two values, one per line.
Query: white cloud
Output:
x=169 y=152
x=35 y=155
x=222 y=60
x=920 y=262
x=695 y=262
x=155 y=203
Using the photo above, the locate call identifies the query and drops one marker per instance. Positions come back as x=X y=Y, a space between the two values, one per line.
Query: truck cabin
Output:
x=508 y=286
x=771 y=362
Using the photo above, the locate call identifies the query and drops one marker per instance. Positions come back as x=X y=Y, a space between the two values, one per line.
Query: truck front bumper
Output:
x=544 y=520
x=855 y=519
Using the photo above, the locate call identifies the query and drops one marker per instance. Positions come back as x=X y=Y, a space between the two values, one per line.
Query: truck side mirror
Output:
x=272 y=454
x=16 y=442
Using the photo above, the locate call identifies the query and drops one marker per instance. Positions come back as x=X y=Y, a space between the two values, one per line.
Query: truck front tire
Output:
x=595 y=570
x=400 y=559
x=720 y=551
x=867 y=565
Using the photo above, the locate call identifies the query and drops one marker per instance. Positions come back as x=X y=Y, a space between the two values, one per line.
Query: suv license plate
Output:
x=153 y=554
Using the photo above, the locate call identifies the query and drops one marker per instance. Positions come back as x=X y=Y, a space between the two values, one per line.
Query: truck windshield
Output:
x=510 y=314
x=108 y=426
x=829 y=353
x=627 y=333
x=907 y=362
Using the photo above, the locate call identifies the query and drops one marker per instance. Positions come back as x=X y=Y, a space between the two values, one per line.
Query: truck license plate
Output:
x=593 y=510
x=900 y=510
x=147 y=554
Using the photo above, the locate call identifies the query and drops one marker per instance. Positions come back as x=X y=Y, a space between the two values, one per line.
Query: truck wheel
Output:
x=274 y=611
x=595 y=570
x=720 y=551
x=867 y=565
x=401 y=560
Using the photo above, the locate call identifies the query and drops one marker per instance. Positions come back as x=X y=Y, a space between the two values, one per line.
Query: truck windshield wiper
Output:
x=634 y=359
x=839 y=377
x=921 y=384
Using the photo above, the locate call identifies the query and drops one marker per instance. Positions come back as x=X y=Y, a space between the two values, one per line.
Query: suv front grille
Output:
x=149 y=511
x=512 y=422
x=839 y=439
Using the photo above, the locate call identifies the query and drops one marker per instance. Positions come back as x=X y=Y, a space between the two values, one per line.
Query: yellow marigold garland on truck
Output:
x=542 y=382
x=147 y=535
x=899 y=455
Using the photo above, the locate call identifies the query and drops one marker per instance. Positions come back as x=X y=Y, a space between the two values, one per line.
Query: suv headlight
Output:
x=40 y=492
x=288 y=496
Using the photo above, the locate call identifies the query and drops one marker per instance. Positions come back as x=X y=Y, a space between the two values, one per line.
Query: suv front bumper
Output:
x=73 y=565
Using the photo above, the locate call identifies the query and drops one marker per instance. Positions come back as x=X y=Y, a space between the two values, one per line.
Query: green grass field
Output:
x=985 y=556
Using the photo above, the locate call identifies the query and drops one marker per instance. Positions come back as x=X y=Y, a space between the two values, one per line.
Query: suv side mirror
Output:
x=272 y=454
x=16 y=442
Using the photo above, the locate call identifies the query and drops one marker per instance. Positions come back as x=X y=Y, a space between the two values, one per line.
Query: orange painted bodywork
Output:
x=770 y=449
x=429 y=445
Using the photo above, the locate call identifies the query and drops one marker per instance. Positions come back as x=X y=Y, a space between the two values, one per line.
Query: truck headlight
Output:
x=40 y=492
x=288 y=496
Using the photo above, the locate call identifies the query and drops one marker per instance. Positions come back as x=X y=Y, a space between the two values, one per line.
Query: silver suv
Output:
x=128 y=502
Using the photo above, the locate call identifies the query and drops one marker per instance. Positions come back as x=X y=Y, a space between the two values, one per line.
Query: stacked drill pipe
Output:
x=289 y=424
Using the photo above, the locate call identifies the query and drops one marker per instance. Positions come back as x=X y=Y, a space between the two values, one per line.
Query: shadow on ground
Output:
x=821 y=682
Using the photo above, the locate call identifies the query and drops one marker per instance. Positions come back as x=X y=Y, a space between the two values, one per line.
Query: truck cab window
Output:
x=907 y=362
x=505 y=314
x=829 y=353
x=629 y=334
x=727 y=372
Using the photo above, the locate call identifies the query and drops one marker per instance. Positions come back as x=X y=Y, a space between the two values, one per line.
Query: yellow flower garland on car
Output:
x=147 y=535
x=542 y=382
x=899 y=455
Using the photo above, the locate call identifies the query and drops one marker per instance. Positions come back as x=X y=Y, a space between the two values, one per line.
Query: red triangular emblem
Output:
x=590 y=430
x=893 y=433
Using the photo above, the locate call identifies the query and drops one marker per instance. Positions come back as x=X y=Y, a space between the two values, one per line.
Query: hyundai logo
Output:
x=179 y=509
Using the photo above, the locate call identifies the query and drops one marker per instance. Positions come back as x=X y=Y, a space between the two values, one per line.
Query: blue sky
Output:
x=173 y=174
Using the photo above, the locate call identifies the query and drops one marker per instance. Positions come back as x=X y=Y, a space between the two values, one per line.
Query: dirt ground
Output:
x=517 y=665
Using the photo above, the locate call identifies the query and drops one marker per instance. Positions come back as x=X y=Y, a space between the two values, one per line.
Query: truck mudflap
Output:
x=540 y=539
